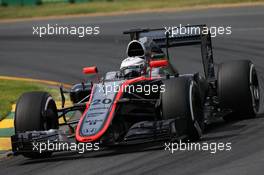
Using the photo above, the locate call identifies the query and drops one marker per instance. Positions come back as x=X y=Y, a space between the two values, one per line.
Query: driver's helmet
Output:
x=133 y=67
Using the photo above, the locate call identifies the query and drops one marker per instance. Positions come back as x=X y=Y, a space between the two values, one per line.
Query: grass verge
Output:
x=61 y=9
x=12 y=89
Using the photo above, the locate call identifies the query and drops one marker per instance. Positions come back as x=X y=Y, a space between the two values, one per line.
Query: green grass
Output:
x=58 y=9
x=12 y=89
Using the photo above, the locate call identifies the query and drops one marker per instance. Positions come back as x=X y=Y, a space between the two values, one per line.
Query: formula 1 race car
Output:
x=147 y=100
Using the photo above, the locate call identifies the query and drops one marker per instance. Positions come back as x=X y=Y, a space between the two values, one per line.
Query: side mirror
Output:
x=158 y=63
x=90 y=70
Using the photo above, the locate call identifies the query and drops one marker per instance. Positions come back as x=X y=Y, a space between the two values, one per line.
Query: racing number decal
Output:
x=107 y=101
x=99 y=101
x=96 y=102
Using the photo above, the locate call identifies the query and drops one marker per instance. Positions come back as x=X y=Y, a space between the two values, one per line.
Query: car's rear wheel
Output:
x=238 y=89
x=36 y=111
x=182 y=101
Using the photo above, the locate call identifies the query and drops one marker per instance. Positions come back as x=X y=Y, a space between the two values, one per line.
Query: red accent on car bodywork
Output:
x=90 y=70
x=98 y=135
x=158 y=63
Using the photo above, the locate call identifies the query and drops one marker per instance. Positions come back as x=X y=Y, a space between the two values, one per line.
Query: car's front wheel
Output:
x=36 y=111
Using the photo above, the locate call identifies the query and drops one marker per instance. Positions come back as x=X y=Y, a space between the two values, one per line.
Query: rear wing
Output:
x=172 y=37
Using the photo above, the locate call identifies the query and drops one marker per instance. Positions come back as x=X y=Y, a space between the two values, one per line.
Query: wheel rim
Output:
x=50 y=115
x=254 y=89
x=193 y=102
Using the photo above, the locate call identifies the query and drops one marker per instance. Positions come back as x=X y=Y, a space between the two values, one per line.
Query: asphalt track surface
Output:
x=62 y=58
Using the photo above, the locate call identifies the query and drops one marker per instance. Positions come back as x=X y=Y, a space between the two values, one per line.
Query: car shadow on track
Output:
x=215 y=132
x=64 y=156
